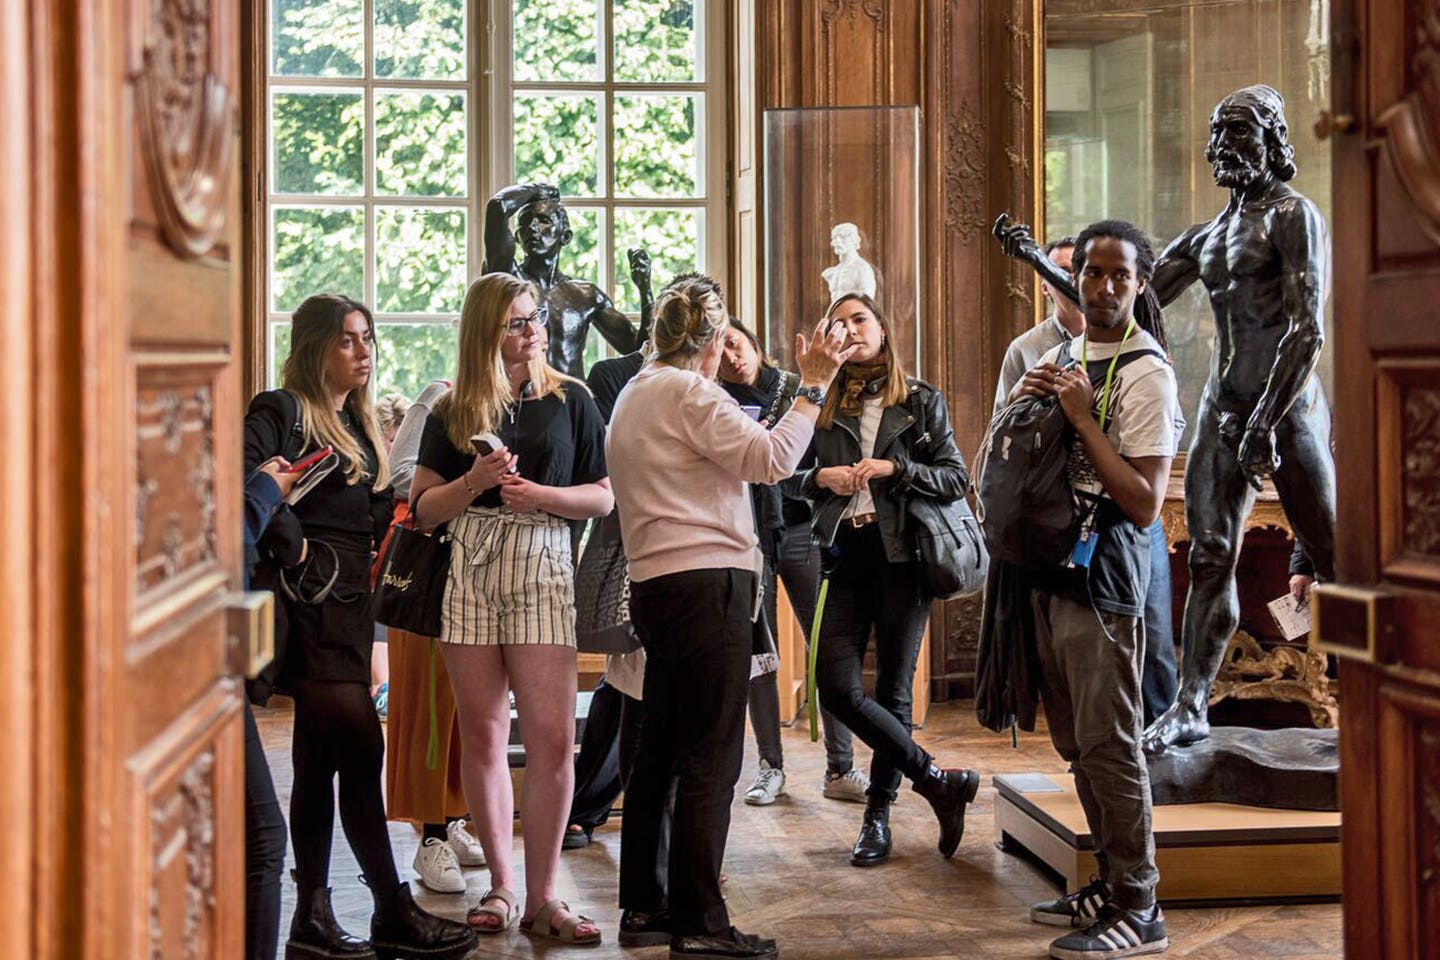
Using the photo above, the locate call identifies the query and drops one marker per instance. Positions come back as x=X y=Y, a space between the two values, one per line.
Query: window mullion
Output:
x=368 y=296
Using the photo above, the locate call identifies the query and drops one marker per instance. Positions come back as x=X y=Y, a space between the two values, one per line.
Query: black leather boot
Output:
x=400 y=928
x=316 y=935
x=873 y=845
x=948 y=792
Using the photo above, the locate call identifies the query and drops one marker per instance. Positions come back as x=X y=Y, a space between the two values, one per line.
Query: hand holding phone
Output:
x=493 y=461
x=305 y=463
x=751 y=411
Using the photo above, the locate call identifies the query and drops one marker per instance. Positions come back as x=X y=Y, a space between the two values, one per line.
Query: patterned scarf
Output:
x=857 y=376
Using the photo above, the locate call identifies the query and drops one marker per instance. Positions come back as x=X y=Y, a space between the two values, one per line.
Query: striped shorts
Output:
x=512 y=580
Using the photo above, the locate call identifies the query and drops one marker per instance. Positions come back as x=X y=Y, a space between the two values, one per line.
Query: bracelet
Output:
x=465 y=479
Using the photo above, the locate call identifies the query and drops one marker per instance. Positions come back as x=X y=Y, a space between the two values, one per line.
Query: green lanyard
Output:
x=1109 y=373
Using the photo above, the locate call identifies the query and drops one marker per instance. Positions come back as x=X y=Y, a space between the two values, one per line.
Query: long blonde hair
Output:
x=481 y=394
x=316 y=328
x=897 y=387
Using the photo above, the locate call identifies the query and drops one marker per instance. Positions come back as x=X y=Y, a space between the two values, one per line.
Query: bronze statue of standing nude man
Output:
x=1265 y=263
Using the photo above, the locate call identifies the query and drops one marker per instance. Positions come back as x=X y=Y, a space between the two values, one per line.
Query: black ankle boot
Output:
x=316 y=935
x=873 y=845
x=948 y=792
x=400 y=928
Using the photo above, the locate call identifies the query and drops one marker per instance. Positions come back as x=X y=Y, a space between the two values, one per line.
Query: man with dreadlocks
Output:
x=1122 y=404
x=1264 y=261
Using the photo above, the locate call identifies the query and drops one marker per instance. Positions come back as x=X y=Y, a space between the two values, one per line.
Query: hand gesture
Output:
x=871 y=469
x=278 y=469
x=639 y=267
x=1257 y=455
x=545 y=191
x=838 y=480
x=1014 y=238
x=1042 y=380
x=488 y=471
x=821 y=357
x=1077 y=395
x=521 y=495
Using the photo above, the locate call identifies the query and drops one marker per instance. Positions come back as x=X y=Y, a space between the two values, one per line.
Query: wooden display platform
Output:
x=1205 y=852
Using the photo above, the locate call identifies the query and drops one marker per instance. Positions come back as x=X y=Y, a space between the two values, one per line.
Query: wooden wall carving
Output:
x=175 y=532
x=184 y=118
x=1427 y=773
x=1420 y=470
x=979 y=144
x=183 y=836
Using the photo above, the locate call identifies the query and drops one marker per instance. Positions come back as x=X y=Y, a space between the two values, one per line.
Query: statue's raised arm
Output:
x=1016 y=241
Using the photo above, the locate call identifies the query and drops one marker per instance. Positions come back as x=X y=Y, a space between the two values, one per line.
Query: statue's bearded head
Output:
x=844 y=239
x=544 y=227
x=1248 y=136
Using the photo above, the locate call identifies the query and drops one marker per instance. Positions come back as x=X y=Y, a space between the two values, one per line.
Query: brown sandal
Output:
x=539 y=925
x=485 y=908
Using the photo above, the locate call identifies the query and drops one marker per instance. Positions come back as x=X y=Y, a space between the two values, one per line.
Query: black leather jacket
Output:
x=916 y=434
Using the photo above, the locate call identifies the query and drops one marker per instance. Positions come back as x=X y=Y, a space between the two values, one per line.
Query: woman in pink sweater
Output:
x=680 y=452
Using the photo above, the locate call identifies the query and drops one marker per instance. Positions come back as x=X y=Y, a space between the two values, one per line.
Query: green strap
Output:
x=811 y=700
x=432 y=746
x=1110 y=372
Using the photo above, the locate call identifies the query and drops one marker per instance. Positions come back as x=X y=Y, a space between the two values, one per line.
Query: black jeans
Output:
x=696 y=630
x=867 y=591
x=264 y=849
x=597 y=765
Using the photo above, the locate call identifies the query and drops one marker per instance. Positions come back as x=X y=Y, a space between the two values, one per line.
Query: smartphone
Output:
x=300 y=466
x=486 y=444
x=319 y=469
x=753 y=412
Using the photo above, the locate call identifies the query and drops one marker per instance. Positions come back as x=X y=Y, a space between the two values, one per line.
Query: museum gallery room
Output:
x=720 y=479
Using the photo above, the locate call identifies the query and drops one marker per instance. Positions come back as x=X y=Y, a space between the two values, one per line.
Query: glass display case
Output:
x=841 y=213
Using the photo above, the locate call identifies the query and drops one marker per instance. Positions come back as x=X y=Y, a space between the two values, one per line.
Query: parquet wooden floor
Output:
x=789 y=877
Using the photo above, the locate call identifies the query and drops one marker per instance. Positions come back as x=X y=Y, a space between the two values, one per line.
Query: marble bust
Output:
x=851 y=274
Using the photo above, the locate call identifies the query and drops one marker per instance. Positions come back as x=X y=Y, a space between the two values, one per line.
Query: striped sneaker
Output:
x=1078 y=909
x=1117 y=933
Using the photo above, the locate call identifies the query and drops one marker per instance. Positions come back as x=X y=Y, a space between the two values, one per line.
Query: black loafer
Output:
x=641 y=929
x=872 y=847
x=575 y=839
x=733 y=945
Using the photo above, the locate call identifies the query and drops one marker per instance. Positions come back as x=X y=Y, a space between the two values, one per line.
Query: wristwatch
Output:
x=814 y=394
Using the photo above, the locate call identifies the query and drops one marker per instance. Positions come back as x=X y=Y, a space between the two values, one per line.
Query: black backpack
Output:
x=1022 y=497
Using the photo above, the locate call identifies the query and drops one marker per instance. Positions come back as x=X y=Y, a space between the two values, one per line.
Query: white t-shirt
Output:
x=863 y=502
x=1143 y=417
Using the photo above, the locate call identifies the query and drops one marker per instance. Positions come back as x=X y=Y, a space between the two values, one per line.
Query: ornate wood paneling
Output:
x=971 y=68
x=1420 y=469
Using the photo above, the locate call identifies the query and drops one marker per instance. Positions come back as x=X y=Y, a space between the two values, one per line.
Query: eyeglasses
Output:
x=518 y=324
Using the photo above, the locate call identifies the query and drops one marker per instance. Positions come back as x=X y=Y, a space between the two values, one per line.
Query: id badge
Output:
x=1084 y=549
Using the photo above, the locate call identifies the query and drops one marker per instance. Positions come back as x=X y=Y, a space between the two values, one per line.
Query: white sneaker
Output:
x=467 y=849
x=769 y=785
x=435 y=863
x=849 y=786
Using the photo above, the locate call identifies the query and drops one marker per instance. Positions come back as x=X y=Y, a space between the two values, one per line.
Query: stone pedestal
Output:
x=1293 y=769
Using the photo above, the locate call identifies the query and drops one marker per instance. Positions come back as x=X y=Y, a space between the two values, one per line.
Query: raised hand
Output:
x=639 y=259
x=1015 y=238
x=821 y=357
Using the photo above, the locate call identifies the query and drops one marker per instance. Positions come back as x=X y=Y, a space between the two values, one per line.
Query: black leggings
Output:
x=264 y=849
x=338 y=732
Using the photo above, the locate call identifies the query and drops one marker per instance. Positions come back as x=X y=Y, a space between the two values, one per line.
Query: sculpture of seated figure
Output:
x=852 y=274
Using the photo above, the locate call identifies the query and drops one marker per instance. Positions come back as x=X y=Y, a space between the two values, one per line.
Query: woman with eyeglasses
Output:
x=881 y=439
x=318 y=555
x=509 y=456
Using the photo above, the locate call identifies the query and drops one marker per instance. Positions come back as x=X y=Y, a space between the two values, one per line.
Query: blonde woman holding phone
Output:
x=509 y=614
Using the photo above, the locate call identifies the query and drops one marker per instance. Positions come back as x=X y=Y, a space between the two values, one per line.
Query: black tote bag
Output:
x=410 y=592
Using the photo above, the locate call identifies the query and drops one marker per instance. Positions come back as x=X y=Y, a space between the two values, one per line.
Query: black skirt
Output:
x=330 y=640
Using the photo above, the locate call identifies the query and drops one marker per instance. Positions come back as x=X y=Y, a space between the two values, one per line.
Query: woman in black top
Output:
x=509 y=613
x=881 y=439
x=782 y=524
x=319 y=556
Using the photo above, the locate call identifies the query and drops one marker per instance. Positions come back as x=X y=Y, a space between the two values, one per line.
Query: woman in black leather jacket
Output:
x=881 y=438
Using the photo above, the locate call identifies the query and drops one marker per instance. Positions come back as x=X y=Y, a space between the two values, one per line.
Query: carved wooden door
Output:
x=168 y=665
x=1383 y=616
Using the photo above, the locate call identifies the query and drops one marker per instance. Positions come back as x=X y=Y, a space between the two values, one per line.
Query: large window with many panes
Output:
x=391 y=122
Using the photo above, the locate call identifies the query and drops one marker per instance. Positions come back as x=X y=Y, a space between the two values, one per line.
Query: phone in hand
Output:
x=486 y=444
x=300 y=466
x=751 y=411
x=319 y=468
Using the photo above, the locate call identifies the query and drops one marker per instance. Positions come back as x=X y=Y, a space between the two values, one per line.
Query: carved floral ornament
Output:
x=845 y=9
x=183 y=109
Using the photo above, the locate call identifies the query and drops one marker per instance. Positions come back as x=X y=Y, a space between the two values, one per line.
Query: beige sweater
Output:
x=680 y=451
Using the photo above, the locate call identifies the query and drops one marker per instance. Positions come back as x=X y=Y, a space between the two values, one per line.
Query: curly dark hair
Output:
x=1148 y=315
